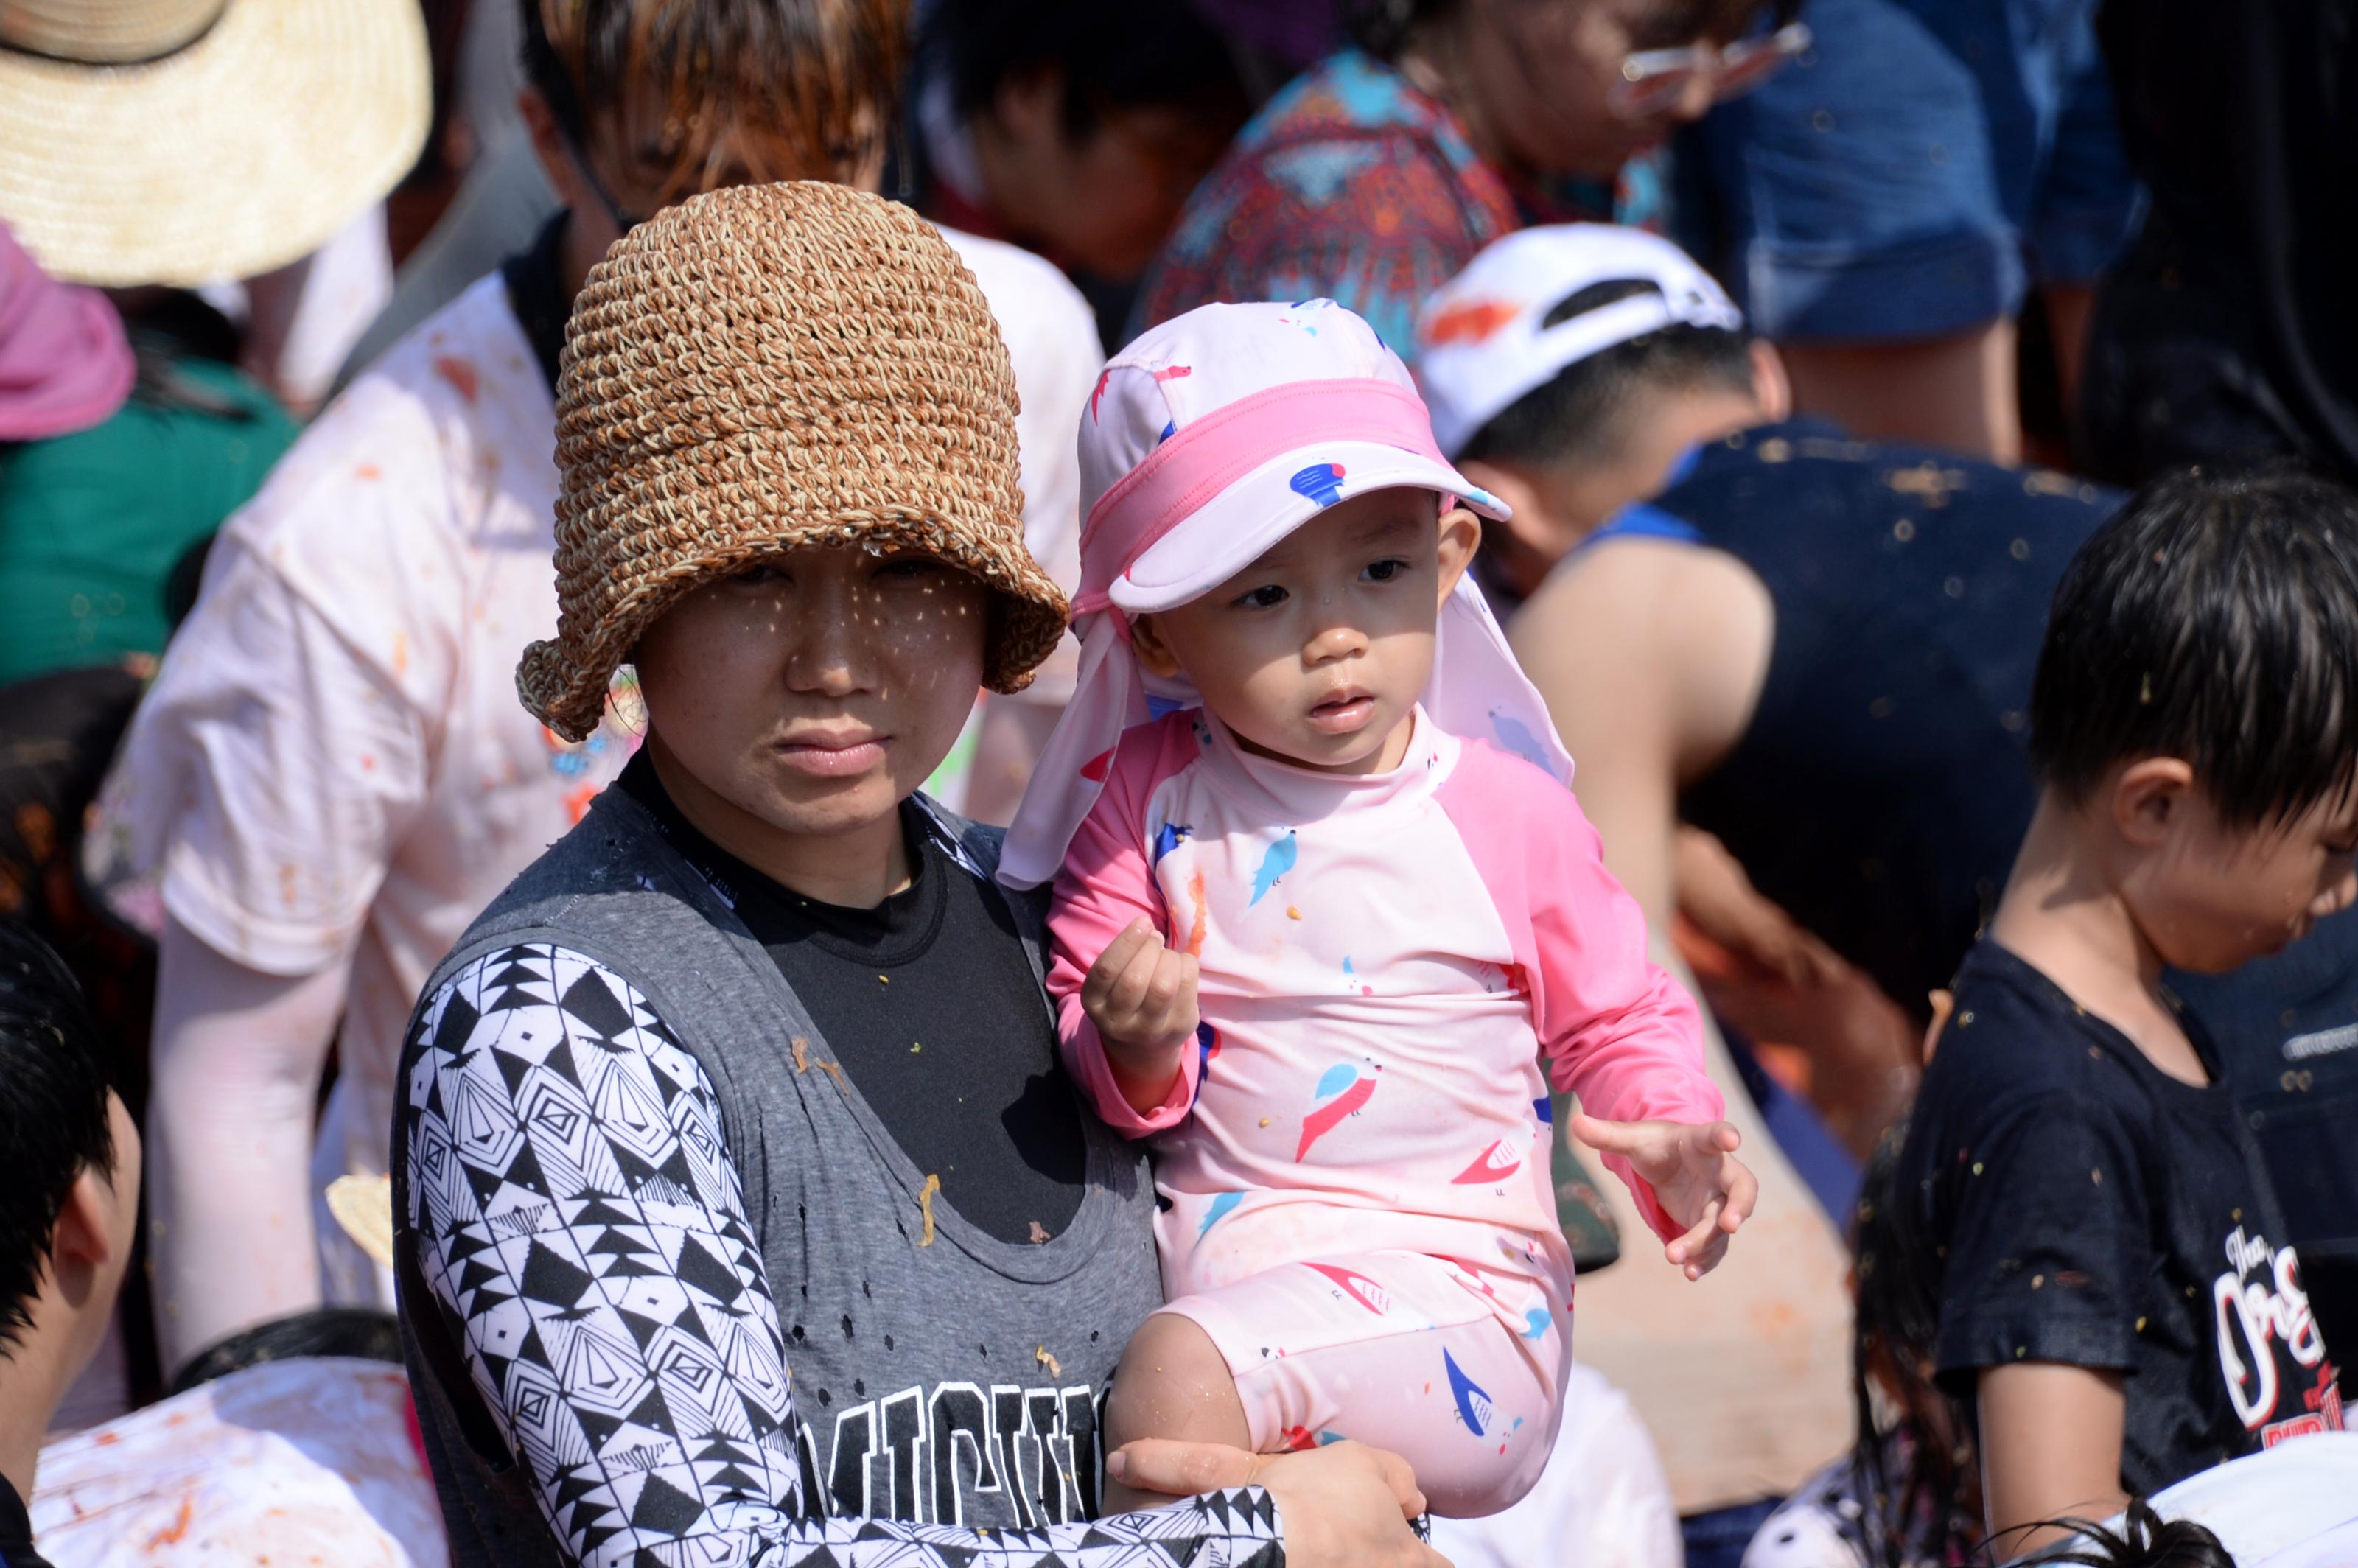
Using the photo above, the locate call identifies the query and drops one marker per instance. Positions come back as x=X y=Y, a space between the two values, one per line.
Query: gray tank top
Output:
x=957 y=1380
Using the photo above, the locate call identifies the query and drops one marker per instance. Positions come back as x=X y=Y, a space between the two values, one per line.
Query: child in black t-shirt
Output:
x=2116 y=1305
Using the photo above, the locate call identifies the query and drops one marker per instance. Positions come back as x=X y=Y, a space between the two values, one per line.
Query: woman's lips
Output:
x=1343 y=715
x=831 y=759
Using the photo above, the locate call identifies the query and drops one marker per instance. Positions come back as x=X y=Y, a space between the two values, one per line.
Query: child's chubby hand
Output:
x=1141 y=996
x=1695 y=1175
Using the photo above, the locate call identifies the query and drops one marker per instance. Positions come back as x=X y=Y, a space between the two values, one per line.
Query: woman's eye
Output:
x=909 y=568
x=757 y=576
x=1267 y=597
x=1385 y=571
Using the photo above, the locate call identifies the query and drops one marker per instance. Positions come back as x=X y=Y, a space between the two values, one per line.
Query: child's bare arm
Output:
x=2050 y=1443
x=1141 y=996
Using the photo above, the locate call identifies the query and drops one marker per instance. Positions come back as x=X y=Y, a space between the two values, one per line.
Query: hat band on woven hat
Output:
x=99 y=33
x=1232 y=460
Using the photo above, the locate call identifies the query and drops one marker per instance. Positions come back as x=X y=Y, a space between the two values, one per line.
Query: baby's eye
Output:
x=1268 y=597
x=1385 y=570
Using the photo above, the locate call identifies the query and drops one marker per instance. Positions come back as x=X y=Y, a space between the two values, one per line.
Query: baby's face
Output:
x=1316 y=654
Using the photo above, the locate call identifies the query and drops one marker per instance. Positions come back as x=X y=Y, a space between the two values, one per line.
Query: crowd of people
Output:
x=992 y=781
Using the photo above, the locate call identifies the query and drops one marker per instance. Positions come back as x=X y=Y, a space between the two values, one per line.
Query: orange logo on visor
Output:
x=1471 y=322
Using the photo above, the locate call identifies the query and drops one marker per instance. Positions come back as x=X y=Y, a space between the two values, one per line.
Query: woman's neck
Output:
x=1433 y=62
x=856 y=868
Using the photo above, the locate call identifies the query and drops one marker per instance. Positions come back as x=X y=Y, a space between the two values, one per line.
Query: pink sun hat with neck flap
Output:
x=1205 y=442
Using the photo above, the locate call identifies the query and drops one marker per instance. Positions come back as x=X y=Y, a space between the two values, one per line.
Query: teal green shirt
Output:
x=91 y=524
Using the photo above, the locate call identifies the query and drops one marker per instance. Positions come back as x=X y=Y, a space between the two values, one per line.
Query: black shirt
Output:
x=929 y=1004
x=17 y=1531
x=1883 y=784
x=2083 y=1207
x=2242 y=122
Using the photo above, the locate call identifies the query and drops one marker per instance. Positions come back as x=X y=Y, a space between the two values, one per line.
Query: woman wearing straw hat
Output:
x=330 y=777
x=741 y=1211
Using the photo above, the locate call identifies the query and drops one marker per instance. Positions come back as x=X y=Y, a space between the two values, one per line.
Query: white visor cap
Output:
x=1484 y=334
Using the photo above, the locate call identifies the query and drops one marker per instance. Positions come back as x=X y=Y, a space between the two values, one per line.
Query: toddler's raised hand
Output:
x=1695 y=1173
x=1141 y=996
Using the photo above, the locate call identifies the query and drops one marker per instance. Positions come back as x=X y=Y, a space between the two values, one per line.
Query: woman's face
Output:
x=811 y=694
x=1542 y=74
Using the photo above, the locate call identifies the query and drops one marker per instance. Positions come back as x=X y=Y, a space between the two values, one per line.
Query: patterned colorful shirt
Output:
x=1355 y=185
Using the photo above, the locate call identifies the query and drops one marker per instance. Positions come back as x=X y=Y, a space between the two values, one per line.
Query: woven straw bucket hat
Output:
x=766 y=367
x=183 y=141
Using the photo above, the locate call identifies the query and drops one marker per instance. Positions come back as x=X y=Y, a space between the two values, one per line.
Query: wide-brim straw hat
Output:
x=184 y=141
x=767 y=367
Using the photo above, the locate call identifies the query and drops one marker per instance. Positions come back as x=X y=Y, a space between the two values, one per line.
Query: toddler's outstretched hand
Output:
x=1141 y=996
x=1695 y=1173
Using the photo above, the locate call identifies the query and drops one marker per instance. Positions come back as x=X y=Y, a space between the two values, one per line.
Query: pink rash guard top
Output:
x=1385 y=960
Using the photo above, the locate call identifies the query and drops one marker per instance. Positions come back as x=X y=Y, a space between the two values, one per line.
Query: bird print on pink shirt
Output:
x=1494 y=1163
x=1342 y=1089
x=1278 y=859
x=1474 y=1405
x=1357 y=1286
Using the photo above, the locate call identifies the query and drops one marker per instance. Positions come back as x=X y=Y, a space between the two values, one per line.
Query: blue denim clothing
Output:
x=1921 y=167
x=1717 y=1539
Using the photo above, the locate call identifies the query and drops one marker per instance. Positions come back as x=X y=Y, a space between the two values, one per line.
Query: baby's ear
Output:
x=1461 y=535
x=1153 y=653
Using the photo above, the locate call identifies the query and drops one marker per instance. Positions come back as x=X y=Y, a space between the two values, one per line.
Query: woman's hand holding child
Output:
x=1695 y=1175
x=1141 y=996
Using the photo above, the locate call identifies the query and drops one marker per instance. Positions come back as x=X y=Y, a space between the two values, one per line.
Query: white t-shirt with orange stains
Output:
x=332 y=759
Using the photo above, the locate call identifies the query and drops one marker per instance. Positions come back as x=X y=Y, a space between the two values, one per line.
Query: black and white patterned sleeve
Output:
x=575 y=1209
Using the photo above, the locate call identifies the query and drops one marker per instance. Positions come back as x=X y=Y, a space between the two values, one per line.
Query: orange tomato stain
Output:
x=460 y=373
x=172 y=1533
x=368 y=470
x=1197 y=932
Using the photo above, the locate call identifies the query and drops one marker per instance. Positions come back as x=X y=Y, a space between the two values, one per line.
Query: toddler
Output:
x=1322 y=902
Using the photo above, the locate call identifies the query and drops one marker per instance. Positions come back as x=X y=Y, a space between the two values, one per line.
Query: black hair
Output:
x=1918 y=1488
x=1582 y=411
x=2212 y=619
x=1159 y=55
x=54 y=1080
x=1384 y=27
x=2144 y=1540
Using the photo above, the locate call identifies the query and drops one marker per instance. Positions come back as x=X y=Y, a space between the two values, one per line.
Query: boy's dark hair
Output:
x=2144 y=1540
x=1582 y=412
x=1112 y=57
x=2212 y=619
x=822 y=77
x=53 y=1115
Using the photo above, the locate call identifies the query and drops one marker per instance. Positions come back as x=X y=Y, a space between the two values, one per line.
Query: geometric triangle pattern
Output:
x=576 y=1211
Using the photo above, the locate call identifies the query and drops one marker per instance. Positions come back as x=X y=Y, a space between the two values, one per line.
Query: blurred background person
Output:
x=1892 y=203
x=2230 y=332
x=149 y=147
x=67 y=1210
x=1813 y=649
x=1070 y=126
x=1376 y=175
